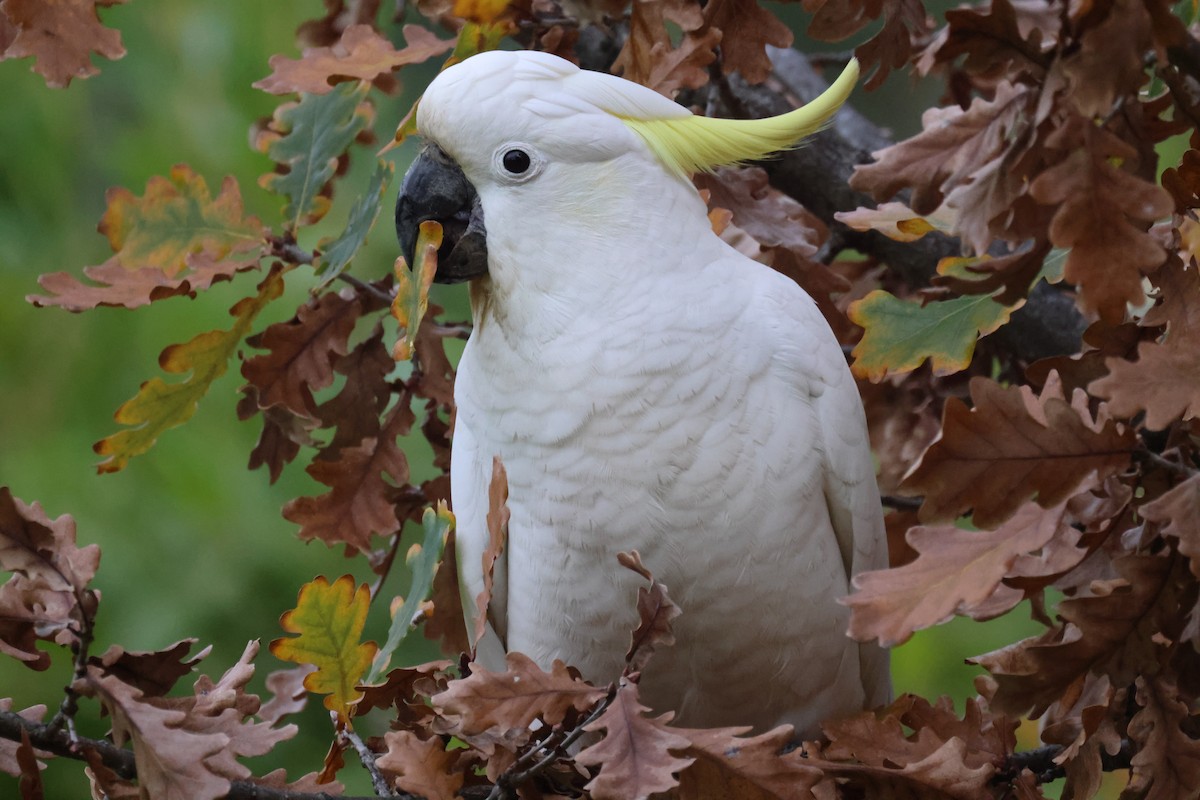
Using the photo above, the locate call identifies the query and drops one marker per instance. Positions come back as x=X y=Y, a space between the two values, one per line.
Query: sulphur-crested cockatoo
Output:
x=647 y=388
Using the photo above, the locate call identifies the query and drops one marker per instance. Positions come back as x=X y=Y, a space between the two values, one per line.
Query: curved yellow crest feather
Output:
x=692 y=143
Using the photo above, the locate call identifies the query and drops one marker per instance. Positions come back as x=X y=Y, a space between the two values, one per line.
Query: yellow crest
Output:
x=691 y=143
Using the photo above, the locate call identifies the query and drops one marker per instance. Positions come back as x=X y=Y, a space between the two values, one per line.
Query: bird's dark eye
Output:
x=516 y=161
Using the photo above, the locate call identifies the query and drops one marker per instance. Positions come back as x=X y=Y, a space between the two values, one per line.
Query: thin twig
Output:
x=367 y=757
x=1166 y=463
x=367 y=288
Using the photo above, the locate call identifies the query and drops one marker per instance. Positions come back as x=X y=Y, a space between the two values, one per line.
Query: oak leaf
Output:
x=897 y=221
x=337 y=253
x=329 y=619
x=412 y=288
x=497 y=526
x=360 y=54
x=288 y=695
x=421 y=767
x=446 y=625
x=1178 y=513
x=1167 y=761
x=307 y=139
x=47 y=593
x=153 y=673
x=746 y=30
x=1010 y=447
x=511 y=700
x=726 y=765
x=956 y=572
x=61 y=36
x=1102 y=215
x=952 y=147
x=656 y=610
x=650 y=58
x=301 y=353
x=1108 y=630
x=355 y=410
x=422 y=560
x=1162 y=382
x=158 y=405
x=634 y=758
x=361 y=502
x=901 y=334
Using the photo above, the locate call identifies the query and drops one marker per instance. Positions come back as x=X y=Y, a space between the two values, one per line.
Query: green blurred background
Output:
x=193 y=544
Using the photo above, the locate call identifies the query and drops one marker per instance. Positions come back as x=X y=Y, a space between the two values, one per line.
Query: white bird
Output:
x=647 y=388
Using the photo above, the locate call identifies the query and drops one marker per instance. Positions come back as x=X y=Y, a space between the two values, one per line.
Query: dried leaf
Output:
x=1162 y=382
x=329 y=619
x=1167 y=762
x=288 y=695
x=422 y=767
x=354 y=411
x=727 y=766
x=746 y=30
x=649 y=57
x=361 y=54
x=956 y=572
x=153 y=673
x=30 y=785
x=497 y=525
x=159 y=406
x=634 y=757
x=422 y=560
x=306 y=139
x=301 y=353
x=1178 y=514
x=1107 y=630
x=1012 y=446
x=362 y=501
x=655 y=612
x=50 y=578
x=512 y=700
x=897 y=221
x=446 y=624
x=61 y=36
x=1103 y=212
x=901 y=334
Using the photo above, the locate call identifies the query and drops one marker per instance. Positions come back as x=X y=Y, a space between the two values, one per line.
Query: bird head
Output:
x=526 y=141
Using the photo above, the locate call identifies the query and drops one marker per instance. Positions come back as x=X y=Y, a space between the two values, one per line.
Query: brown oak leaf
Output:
x=1167 y=761
x=61 y=36
x=648 y=56
x=153 y=673
x=757 y=768
x=497 y=525
x=302 y=353
x=360 y=54
x=746 y=30
x=361 y=503
x=355 y=410
x=1178 y=513
x=42 y=599
x=1108 y=629
x=421 y=767
x=956 y=572
x=511 y=700
x=655 y=609
x=634 y=758
x=1102 y=215
x=953 y=146
x=1162 y=382
x=288 y=694
x=1010 y=447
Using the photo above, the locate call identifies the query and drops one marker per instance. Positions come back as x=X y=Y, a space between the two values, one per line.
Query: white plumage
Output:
x=647 y=387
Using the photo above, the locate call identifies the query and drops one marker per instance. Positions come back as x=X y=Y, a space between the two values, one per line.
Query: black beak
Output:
x=435 y=188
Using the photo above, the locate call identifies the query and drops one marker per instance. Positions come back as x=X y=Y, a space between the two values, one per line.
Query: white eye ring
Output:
x=517 y=162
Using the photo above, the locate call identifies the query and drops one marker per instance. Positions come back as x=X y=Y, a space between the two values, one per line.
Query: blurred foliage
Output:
x=192 y=542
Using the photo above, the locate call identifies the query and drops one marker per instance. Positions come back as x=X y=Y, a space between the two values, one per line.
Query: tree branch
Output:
x=121 y=761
